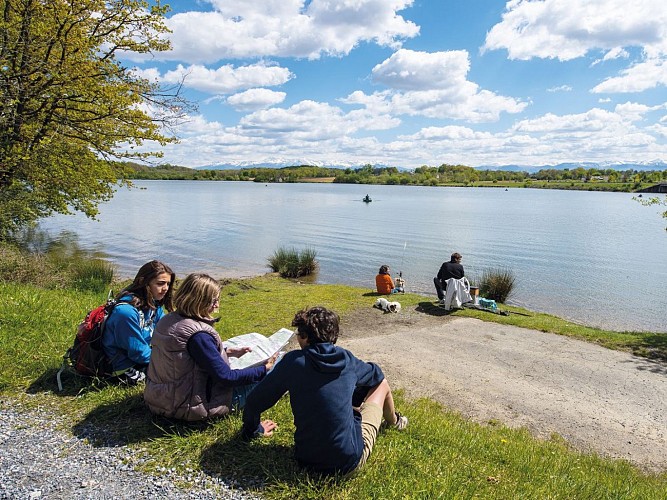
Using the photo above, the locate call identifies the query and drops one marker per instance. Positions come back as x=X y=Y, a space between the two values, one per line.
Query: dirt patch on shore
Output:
x=599 y=400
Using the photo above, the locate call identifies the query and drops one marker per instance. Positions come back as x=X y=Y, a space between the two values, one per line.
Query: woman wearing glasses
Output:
x=189 y=377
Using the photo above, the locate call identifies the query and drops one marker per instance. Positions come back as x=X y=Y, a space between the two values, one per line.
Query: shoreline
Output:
x=233 y=274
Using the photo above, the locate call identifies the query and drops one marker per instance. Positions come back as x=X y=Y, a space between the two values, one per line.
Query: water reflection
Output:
x=597 y=258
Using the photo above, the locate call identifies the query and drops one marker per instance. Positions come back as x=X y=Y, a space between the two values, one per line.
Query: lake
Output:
x=592 y=257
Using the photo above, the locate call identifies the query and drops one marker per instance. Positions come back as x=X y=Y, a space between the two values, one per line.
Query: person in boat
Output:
x=367 y=199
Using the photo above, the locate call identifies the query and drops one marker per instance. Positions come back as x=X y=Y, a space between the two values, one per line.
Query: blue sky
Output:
x=416 y=82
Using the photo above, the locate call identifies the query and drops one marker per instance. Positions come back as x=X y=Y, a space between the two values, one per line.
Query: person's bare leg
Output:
x=381 y=396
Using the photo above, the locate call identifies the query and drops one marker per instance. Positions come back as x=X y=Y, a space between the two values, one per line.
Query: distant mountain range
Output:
x=619 y=165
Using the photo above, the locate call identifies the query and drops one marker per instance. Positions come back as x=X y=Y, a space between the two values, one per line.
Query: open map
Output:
x=262 y=347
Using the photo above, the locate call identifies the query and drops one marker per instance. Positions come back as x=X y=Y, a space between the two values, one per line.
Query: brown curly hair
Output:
x=317 y=324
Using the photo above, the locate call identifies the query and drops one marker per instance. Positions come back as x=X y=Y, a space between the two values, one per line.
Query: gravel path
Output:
x=600 y=400
x=37 y=460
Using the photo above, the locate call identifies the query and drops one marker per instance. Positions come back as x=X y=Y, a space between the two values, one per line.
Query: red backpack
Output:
x=86 y=356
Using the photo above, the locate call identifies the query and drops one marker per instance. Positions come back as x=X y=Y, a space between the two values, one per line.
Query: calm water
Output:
x=596 y=258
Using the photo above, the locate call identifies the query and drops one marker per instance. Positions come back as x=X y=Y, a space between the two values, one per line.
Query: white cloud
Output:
x=323 y=133
x=290 y=28
x=637 y=78
x=150 y=74
x=227 y=78
x=615 y=53
x=412 y=70
x=254 y=99
x=568 y=29
x=560 y=88
x=433 y=85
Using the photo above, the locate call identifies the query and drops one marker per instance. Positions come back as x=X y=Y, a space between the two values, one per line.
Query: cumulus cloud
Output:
x=326 y=134
x=228 y=78
x=433 y=85
x=637 y=78
x=615 y=53
x=254 y=99
x=289 y=28
x=566 y=29
x=412 y=70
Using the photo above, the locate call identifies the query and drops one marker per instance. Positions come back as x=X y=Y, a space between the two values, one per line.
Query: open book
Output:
x=262 y=347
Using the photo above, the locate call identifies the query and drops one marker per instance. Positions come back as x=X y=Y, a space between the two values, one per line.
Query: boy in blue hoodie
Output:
x=338 y=401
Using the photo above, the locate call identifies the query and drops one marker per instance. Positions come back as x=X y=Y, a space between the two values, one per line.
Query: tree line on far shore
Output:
x=454 y=175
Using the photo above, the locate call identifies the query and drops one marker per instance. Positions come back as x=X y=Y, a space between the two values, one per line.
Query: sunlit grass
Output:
x=441 y=455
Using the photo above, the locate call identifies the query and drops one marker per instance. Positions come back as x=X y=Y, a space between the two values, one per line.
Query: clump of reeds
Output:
x=52 y=265
x=497 y=284
x=292 y=263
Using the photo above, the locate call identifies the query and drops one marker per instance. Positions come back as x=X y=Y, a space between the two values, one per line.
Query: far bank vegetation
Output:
x=592 y=179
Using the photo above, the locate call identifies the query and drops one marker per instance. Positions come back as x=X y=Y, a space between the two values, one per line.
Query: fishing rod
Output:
x=400 y=268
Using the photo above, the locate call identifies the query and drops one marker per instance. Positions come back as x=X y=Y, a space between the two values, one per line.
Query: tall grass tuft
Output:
x=291 y=263
x=54 y=264
x=94 y=275
x=497 y=284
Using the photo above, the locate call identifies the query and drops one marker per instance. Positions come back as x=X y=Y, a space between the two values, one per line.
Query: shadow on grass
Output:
x=128 y=421
x=73 y=385
x=262 y=466
x=654 y=347
x=433 y=309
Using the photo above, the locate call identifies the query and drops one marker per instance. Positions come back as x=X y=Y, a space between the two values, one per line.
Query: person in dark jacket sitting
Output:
x=451 y=269
x=338 y=401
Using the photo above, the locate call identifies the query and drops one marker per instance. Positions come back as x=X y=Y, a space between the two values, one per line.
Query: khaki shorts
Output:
x=371 y=419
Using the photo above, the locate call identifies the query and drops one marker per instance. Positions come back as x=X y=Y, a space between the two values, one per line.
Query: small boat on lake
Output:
x=366 y=199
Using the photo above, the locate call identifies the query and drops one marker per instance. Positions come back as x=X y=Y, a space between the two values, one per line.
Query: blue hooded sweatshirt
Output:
x=127 y=335
x=321 y=380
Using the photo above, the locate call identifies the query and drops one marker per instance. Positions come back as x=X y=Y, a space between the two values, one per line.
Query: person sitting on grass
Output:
x=452 y=269
x=129 y=327
x=338 y=401
x=189 y=377
x=384 y=284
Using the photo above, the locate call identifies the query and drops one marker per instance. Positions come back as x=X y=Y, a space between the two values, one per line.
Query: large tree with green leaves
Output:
x=69 y=107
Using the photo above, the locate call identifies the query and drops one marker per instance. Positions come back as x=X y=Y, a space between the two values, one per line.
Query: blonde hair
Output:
x=195 y=296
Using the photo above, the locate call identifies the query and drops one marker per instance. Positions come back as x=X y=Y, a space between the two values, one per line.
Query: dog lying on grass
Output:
x=387 y=306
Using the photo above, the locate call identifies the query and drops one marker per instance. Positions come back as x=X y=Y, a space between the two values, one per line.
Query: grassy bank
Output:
x=440 y=456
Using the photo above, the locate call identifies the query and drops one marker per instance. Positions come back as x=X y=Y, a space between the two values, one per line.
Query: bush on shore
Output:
x=497 y=284
x=291 y=263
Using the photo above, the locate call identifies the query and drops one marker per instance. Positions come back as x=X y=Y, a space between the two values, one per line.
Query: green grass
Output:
x=441 y=455
x=646 y=344
x=292 y=263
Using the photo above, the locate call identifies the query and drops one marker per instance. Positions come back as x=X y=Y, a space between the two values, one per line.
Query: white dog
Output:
x=387 y=306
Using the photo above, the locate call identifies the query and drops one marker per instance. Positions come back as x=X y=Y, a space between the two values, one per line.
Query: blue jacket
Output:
x=127 y=335
x=321 y=380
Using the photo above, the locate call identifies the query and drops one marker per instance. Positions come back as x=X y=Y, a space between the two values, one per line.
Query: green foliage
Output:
x=444 y=175
x=68 y=104
x=292 y=263
x=60 y=265
x=497 y=284
x=654 y=201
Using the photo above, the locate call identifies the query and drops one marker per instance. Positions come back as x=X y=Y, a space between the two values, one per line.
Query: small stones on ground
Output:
x=40 y=461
